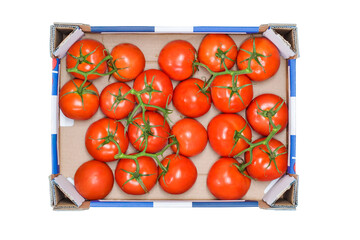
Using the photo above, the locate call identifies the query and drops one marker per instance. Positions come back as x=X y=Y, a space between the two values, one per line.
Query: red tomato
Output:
x=229 y=96
x=78 y=103
x=133 y=182
x=224 y=133
x=269 y=58
x=263 y=107
x=264 y=169
x=129 y=60
x=158 y=130
x=112 y=102
x=176 y=59
x=89 y=53
x=211 y=57
x=100 y=139
x=191 y=135
x=158 y=81
x=225 y=181
x=188 y=99
x=94 y=180
x=180 y=176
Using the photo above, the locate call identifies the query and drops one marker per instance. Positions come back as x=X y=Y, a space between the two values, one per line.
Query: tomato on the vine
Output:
x=103 y=138
x=133 y=181
x=263 y=108
x=226 y=133
x=94 y=180
x=155 y=127
x=113 y=103
x=158 y=84
x=266 y=59
x=225 y=181
x=77 y=101
x=180 y=176
x=88 y=53
x=231 y=95
x=267 y=164
x=216 y=50
x=176 y=59
x=129 y=61
x=189 y=100
x=191 y=136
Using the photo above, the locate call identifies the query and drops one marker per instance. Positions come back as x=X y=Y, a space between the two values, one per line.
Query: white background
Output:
x=327 y=123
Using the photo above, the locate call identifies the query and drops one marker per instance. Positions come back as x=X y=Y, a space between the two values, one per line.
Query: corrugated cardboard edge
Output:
x=63 y=195
x=63 y=35
x=283 y=195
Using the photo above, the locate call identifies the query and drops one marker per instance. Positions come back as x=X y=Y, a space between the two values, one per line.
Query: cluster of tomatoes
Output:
x=145 y=108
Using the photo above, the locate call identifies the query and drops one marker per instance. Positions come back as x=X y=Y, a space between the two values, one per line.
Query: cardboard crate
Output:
x=68 y=148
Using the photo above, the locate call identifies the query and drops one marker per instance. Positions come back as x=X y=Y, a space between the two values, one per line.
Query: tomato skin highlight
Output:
x=181 y=174
x=87 y=46
x=146 y=166
x=259 y=123
x=189 y=101
x=221 y=96
x=94 y=180
x=260 y=169
x=191 y=135
x=176 y=59
x=270 y=63
x=209 y=47
x=99 y=130
x=107 y=101
x=71 y=104
x=225 y=181
x=161 y=133
x=161 y=82
x=130 y=62
x=221 y=130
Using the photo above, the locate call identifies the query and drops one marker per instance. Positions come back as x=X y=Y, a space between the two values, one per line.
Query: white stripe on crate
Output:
x=54 y=114
x=175 y=204
x=65 y=121
x=292 y=116
x=164 y=29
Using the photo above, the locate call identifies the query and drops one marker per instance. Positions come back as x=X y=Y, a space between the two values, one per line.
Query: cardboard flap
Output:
x=283 y=194
x=62 y=38
x=63 y=193
x=284 y=36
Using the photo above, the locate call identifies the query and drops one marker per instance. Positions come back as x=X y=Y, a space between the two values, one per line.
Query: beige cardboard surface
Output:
x=72 y=151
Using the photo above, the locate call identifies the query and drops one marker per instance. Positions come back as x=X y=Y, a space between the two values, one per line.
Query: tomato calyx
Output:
x=137 y=176
x=112 y=65
x=81 y=90
x=239 y=135
x=82 y=59
x=273 y=155
x=242 y=169
x=222 y=55
x=234 y=89
x=110 y=137
x=254 y=55
x=269 y=113
x=119 y=97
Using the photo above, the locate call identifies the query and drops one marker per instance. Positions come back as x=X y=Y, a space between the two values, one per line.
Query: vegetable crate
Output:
x=70 y=135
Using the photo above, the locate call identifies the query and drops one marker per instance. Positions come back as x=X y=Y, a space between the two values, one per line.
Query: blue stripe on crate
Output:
x=292 y=64
x=54 y=158
x=121 y=204
x=226 y=29
x=291 y=167
x=55 y=78
x=122 y=29
x=226 y=204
